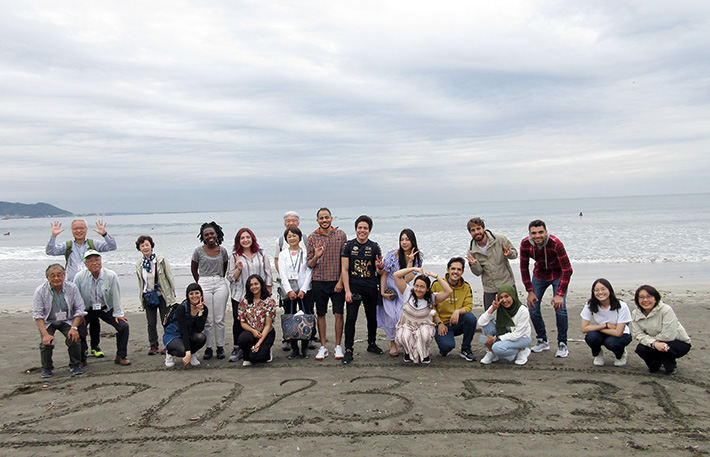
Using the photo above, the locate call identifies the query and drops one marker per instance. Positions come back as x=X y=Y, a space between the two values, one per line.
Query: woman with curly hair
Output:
x=256 y=314
x=209 y=264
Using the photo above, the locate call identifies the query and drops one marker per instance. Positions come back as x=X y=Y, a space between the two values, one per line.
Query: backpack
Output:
x=170 y=315
x=70 y=244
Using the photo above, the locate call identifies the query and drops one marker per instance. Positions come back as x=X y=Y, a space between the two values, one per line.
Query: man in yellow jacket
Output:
x=453 y=316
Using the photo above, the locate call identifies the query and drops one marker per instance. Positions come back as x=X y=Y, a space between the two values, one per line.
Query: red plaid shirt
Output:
x=328 y=266
x=551 y=262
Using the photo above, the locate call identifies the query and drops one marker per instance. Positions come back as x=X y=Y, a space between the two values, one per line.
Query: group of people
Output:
x=324 y=267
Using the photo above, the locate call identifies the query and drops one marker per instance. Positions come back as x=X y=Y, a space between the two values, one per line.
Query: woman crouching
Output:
x=256 y=313
x=183 y=336
x=506 y=323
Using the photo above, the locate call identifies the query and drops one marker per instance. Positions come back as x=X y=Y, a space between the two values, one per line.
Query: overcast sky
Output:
x=187 y=105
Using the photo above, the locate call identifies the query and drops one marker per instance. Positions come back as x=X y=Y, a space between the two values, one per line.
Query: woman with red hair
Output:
x=247 y=259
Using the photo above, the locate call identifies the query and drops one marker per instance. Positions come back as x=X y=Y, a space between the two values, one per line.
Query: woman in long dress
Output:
x=406 y=256
x=415 y=329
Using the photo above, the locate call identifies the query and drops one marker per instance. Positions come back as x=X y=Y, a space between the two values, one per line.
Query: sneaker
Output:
x=220 y=352
x=562 y=350
x=121 y=361
x=522 y=357
x=622 y=361
x=286 y=346
x=673 y=371
x=339 y=352
x=348 y=358
x=46 y=373
x=294 y=353
x=426 y=359
x=194 y=361
x=169 y=361
x=163 y=351
x=599 y=360
x=153 y=349
x=468 y=355
x=97 y=352
x=322 y=353
x=76 y=370
x=489 y=358
x=208 y=354
x=271 y=356
x=246 y=363
x=407 y=359
x=541 y=345
x=236 y=354
x=375 y=349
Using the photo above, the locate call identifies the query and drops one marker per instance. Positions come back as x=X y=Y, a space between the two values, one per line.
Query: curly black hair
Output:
x=217 y=229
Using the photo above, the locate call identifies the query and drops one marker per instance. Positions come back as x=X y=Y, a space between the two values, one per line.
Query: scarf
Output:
x=504 y=316
x=147 y=261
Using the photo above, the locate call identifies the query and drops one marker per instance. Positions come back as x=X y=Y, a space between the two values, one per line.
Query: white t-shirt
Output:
x=417 y=303
x=603 y=316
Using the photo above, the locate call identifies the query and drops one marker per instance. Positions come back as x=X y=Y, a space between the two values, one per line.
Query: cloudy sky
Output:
x=187 y=105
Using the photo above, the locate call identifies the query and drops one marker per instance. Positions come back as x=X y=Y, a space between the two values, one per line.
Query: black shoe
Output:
x=375 y=349
x=220 y=352
x=348 y=356
x=294 y=353
x=427 y=359
x=673 y=371
x=208 y=354
x=407 y=358
x=467 y=354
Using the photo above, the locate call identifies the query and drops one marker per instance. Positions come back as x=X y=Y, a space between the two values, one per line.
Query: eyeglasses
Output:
x=646 y=297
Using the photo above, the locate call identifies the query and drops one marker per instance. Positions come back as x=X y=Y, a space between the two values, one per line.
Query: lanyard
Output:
x=295 y=265
x=58 y=300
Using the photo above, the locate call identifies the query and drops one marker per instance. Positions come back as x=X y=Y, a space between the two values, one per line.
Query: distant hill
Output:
x=8 y=209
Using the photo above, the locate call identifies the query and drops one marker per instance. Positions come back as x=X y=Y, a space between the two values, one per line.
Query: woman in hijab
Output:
x=506 y=323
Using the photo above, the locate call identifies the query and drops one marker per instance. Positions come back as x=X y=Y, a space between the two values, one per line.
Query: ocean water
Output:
x=621 y=230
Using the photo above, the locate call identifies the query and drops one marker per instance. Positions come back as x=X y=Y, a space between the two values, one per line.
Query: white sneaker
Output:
x=489 y=358
x=339 y=352
x=541 y=345
x=246 y=363
x=322 y=353
x=622 y=361
x=599 y=360
x=562 y=350
x=271 y=356
x=193 y=361
x=522 y=357
x=169 y=361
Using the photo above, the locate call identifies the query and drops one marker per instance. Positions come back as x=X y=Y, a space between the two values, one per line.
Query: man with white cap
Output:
x=101 y=293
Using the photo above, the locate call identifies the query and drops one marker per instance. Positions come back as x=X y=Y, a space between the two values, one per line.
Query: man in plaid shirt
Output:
x=324 y=247
x=552 y=268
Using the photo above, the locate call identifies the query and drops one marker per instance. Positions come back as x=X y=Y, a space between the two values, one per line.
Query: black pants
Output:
x=655 y=358
x=247 y=340
x=46 y=351
x=369 y=300
x=177 y=346
x=236 y=326
x=120 y=326
x=151 y=315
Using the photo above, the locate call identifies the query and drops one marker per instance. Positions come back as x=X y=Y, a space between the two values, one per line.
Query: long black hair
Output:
x=217 y=229
x=613 y=301
x=249 y=295
x=192 y=287
x=428 y=296
x=402 y=256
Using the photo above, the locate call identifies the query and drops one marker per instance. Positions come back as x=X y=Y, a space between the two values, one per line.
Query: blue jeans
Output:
x=539 y=288
x=507 y=350
x=595 y=339
x=465 y=325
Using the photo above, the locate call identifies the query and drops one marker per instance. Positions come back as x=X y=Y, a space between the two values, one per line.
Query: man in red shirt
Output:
x=552 y=268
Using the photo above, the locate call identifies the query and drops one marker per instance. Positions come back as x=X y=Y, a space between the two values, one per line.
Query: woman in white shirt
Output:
x=506 y=323
x=296 y=282
x=605 y=322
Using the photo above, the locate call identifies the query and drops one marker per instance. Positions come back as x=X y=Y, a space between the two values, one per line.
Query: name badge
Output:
x=293 y=275
x=96 y=306
x=61 y=316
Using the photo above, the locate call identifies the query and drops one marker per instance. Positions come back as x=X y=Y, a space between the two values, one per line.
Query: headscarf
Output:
x=504 y=316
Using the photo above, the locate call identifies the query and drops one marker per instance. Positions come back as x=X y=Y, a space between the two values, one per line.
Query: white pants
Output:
x=216 y=295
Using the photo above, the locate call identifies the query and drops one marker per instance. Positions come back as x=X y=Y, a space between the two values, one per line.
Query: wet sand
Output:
x=377 y=406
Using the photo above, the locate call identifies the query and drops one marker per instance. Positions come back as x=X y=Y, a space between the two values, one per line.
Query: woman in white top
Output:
x=605 y=321
x=415 y=329
x=247 y=259
x=506 y=323
x=296 y=282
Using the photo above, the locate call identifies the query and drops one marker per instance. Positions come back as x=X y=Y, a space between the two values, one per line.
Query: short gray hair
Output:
x=292 y=213
x=52 y=267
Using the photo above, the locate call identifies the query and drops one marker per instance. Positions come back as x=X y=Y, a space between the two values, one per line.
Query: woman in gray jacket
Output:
x=655 y=326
